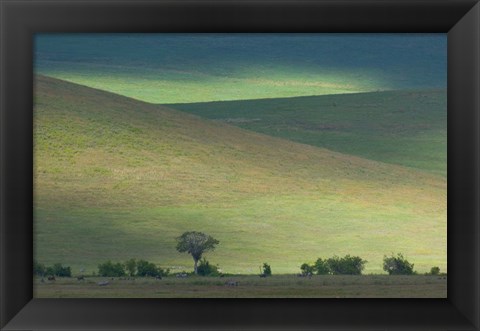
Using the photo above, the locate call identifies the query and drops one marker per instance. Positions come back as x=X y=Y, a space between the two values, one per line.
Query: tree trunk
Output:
x=195 y=267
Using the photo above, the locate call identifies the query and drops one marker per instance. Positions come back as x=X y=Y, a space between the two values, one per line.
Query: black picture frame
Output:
x=21 y=19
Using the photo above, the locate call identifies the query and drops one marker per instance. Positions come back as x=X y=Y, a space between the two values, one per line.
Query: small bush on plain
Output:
x=131 y=267
x=348 y=265
x=435 y=271
x=61 y=271
x=307 y=269
x=145 y=268
x=207 y=269
x=397 y=265
x=38 y=268
x=149 y=269
x=267 y=270
x=321 y=267
x=49 y=271
x=56 y=270
x=109 y=269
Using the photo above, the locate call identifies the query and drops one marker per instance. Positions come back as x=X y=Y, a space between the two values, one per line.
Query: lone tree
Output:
x=196 y=243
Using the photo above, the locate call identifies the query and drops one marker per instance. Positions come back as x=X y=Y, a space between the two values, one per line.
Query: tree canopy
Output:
x=196 y=243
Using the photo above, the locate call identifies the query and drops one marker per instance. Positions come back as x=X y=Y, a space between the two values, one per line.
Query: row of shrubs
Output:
x=142 y=268
x=347 y=265
x=132 y=268
x=354 y=265
x=206 y=269
x=57 y=269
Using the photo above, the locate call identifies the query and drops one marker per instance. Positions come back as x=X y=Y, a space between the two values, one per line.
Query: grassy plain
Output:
x=116 y=178
x=249 y=286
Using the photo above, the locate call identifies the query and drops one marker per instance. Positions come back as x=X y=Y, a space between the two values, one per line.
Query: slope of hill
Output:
x=116 y=178
x=408 y=127
x=170 y=68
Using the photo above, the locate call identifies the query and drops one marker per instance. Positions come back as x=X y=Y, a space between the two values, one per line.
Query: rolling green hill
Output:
x=115 y=178
x=407 y=127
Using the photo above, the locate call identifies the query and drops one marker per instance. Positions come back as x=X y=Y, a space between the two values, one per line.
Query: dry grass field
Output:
x=249 y=286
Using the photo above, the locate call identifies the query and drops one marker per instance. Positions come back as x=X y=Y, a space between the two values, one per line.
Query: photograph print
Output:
x=240 y=165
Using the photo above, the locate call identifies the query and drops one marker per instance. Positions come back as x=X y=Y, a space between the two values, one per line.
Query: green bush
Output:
x=38 y=269
x=149 y=269
x=131 y=267
x=321 y=267
x=109 y=269
x=145 y=268
x=58 y=270
x=435 y=271
x=307 y=269
x=206 y=269
x=267 y=271
x=397 y=265
x=348 y=265
x=49 y=271
x=163 y=272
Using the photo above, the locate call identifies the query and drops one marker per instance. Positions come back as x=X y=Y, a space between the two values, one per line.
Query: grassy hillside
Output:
x=172 y=68
x=408 y=128
x=116 y=178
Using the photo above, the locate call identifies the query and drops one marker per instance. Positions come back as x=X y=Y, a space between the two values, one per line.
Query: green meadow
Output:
x=118 y=178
